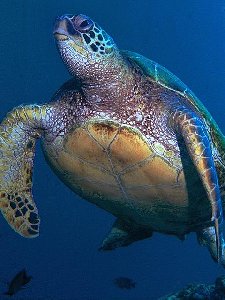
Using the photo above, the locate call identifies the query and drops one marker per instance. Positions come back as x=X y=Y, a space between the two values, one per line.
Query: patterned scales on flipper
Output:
x=198 y=143
x=18 y=134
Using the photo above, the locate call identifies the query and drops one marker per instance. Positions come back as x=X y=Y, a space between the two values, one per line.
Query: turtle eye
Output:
x=82 y=23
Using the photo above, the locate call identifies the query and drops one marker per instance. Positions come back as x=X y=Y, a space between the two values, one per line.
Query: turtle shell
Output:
x=167 y=79
x=116 y=168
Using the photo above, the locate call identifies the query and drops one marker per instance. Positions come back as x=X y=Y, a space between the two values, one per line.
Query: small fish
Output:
x=124 y=283
x=18 y=282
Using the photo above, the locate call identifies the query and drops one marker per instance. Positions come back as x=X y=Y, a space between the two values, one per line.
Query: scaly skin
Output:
x=122 y=139
x=18 y=134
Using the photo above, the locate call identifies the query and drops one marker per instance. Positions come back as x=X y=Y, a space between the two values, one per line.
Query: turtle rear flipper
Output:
x=18 y=134
x=123 y=234
x=207 y=237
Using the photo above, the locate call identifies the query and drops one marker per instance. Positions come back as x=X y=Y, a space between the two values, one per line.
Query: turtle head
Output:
x=83 y=45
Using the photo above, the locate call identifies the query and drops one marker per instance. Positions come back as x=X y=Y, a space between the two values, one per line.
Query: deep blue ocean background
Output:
x=187 y=37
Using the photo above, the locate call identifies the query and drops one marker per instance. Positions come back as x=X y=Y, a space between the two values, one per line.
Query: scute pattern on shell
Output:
x=134 y=109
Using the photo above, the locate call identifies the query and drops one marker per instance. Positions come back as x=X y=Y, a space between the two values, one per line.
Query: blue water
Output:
x=188 y=37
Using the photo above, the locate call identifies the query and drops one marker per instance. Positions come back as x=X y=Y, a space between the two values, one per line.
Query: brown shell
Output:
x=116 y=168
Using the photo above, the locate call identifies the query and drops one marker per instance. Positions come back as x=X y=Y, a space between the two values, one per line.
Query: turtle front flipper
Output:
x=198 y=143
x=18 y=133
x=124 y=233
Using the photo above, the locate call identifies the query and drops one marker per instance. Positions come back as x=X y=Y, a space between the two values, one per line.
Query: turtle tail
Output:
x=18 y=134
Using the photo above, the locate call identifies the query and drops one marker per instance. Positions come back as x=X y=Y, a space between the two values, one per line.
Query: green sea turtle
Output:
x=125 y=134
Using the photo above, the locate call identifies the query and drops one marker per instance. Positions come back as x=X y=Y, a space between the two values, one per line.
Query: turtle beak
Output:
x=63 y=28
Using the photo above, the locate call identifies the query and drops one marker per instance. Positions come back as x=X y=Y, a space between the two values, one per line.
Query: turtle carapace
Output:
x=126 y=135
